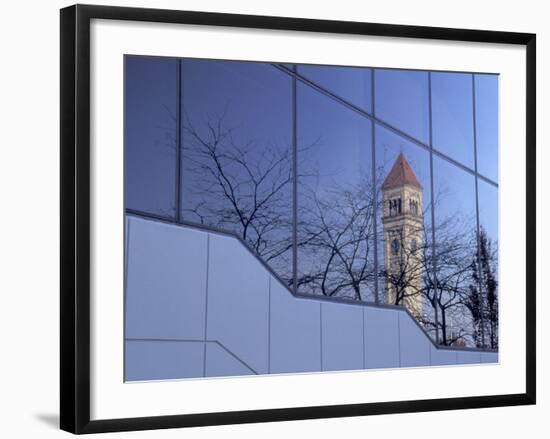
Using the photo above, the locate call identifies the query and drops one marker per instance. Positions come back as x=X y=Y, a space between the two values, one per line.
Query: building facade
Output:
x=254 y=238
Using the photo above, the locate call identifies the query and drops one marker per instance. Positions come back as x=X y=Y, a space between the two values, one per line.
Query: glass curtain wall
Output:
x=370 y=184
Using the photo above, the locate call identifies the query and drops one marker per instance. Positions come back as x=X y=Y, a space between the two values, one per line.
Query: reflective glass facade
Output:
x=294 y=161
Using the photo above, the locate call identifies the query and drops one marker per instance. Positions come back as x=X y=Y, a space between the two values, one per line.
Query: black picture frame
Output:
x=75 y=217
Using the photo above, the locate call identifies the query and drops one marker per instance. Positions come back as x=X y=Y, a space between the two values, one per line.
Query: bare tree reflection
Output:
x=243 y=186
x=335 y=241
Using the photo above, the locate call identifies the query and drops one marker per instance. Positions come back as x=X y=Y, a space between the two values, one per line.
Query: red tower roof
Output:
x=401 y=174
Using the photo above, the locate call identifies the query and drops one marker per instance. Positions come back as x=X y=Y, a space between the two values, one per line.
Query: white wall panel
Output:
x=238 y=301
x=468 y=357
x=295 y=336
x=381 y=338
x=162 y=360
x=166 y=281
x=489 y=357
x=220 y=362
x=413 y=343
x=442 y=357
x=342 y=336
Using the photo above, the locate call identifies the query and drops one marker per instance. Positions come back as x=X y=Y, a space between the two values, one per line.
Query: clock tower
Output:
x=403 y=221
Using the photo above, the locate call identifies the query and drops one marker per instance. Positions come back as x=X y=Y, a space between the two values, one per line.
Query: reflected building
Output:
x=403 y=223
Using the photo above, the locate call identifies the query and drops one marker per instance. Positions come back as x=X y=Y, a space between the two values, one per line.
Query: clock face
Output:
x=395 y=246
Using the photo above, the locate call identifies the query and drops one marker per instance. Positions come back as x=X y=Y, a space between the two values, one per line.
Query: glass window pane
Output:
x=237 y=154
x=452 y=116
x=402 y=100
x=335 y=199
x=150 y=134
x=486 y=91
x=350 y=83
x=404 y=222
x=456 y=251
x=488 y=262
x=488 y=210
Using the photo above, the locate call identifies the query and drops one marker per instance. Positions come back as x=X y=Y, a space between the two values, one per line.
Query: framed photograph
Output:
x=268 y=218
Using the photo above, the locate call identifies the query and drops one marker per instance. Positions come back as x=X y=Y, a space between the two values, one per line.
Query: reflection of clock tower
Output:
x=403 y=223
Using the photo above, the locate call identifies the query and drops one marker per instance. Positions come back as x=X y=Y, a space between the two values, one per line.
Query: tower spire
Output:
x=401 y=174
